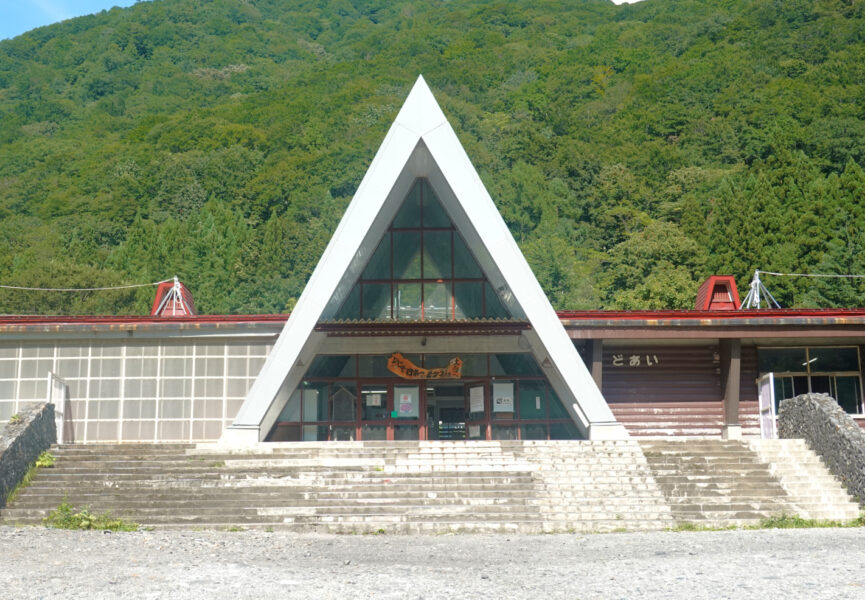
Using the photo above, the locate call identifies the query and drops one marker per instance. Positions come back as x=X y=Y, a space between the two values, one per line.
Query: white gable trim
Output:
x=421 y=143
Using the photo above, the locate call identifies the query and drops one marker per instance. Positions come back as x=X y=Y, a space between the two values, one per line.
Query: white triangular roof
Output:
x=421 y=143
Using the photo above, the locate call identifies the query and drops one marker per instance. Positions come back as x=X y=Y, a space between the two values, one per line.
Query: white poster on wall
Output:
x=373 y=400
x=476 y=399
x=406 y=401
x=503 y=397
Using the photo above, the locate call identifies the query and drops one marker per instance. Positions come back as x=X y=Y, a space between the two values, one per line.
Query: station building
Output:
x=423 y=321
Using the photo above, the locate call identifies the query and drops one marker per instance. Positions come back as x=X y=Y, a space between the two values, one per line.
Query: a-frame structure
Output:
x=422 y=144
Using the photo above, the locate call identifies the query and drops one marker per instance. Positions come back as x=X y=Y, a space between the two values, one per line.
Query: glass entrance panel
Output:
x=374 y=403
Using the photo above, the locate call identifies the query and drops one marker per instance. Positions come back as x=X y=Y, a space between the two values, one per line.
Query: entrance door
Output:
x=445 y=412
x=390 y=412
x=766 y=385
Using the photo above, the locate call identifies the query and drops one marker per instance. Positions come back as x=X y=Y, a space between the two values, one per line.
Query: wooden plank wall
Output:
x=675 y=390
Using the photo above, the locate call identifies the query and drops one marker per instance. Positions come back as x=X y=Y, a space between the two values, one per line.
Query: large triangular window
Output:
x=422 y=270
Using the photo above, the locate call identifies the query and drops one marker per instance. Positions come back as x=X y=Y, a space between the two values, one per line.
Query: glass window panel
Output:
x=333 y=366
x=820 y=384
x=533 y=402
x=236 y=367
x=514 y=364
x=557 y=409
x=376 y=301
x=342 y=434
x=33 y=369
x=495 y=309
x=407 y=301
x=344 y=402
x=434 y=214
x=148 y=409
x=176 y=388
x=174 y=367
x=409 y=213
x=782 y=360
x=504 y=432
x=563 y=431
x=71 y=351
x=406 y=401
x=314 y=402
x=373 y=432
x=378 y=266
x=465 y=265
x=238 y=350
x=406 y=432
x=174 y=409
x=373 y=366
x=105 y=388
x=7 y=409
x=783 y=389
x=315 y=433
x=374 y=403
x=406 y=255
x=437 y=301
x=7 y=390
x=469 y=299
x=107 y=409
x=9 y=368
x=437 y=255
x=533 y=431
x=848 y=394
x=12 y=351
x=211 y=388
x=291 y=410
x=474 y=365
x=286 y=433
x=255 y=364
x=833 y=359
x=131 y=409
x=350 y=308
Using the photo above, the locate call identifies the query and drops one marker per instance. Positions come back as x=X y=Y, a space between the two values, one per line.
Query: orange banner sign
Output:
x=406 y=369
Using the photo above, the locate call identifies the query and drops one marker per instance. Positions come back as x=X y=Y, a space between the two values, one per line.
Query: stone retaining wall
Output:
x=22 y=440
x=831 y=433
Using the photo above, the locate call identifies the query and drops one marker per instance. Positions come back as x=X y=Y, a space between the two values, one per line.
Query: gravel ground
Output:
x=805 y=563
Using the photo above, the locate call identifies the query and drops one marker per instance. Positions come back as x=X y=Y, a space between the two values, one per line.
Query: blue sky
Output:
x=18 y=16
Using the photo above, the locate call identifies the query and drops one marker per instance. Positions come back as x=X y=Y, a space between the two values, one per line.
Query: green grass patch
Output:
x=66 y=516
x=16 y=418
x=785 y=521
x=45 y=460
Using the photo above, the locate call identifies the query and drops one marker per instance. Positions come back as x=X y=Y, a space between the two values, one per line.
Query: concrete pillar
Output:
x=731 y=366
x=596 y=352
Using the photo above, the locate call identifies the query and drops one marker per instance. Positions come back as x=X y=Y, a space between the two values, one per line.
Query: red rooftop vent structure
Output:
x=173 y=299
x=718 y=292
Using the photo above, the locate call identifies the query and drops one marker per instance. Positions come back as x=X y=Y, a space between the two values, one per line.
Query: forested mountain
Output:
x=632 y=149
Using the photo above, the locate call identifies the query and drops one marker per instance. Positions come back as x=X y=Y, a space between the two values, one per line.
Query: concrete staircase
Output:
x=410 y=487
x=713 y=482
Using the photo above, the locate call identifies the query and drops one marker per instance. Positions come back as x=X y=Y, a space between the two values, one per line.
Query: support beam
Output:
x=596 y=355
x=731 y=367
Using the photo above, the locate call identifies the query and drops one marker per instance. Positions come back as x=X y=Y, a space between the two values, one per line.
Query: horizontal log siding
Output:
x=680 y=395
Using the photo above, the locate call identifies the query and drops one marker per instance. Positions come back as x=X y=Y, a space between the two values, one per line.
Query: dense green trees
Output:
x=632 y=149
